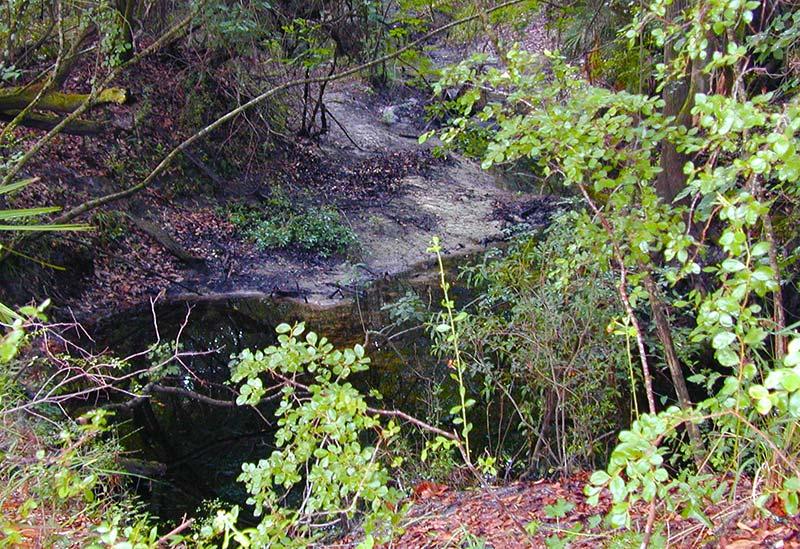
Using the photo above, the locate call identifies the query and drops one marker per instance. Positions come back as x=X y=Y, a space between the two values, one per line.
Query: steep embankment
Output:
x=177 y=237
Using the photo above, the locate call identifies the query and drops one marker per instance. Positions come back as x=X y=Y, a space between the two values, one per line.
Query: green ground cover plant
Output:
x=281 y=224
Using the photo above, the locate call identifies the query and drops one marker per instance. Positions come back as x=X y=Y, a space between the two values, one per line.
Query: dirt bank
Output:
x=394 y=193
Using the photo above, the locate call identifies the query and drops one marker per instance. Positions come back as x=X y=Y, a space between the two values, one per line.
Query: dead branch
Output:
x=167 y=242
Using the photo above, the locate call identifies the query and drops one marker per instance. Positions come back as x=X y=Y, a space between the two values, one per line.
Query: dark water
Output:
x=203 y=446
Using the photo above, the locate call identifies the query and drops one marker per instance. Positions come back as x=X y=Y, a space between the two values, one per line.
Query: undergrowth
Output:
x=280 y=224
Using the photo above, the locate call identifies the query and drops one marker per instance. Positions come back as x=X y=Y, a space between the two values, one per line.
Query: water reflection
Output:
x=203 y=446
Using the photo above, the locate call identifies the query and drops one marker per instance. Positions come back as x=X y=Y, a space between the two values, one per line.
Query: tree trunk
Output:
x=72 y=56
x=664 y=331
x=126 y=10
x=12 y=32
x=678 y=102
x=672 y=180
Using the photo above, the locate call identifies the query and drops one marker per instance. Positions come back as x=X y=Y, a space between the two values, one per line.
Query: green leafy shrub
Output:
x=698 y=248
x=324 y=469
x=58 y=476
x=282 y=225
x=544 y=339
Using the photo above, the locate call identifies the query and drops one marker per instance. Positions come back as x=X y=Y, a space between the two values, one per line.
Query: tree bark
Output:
x=679 y=94
x=12 y=32
x=126 y=10
x=672 y=180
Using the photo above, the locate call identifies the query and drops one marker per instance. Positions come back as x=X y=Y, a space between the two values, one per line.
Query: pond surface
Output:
x=198 y=448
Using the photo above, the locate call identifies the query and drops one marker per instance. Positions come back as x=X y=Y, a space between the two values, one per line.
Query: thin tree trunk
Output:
x=491 y=32
x=72 y=56
x=778 y=312
x=622 y=290
x=126 y=9
x=664 y=331
x=13 y=33
x=321 y=98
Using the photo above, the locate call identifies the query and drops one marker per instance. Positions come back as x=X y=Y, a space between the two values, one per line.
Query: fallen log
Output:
x=43 y=122
x=170 y=244
x=18 y=98
x=142 y=468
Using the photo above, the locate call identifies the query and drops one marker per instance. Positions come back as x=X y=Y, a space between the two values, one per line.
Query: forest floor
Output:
x=393 y=193
x=554 y=514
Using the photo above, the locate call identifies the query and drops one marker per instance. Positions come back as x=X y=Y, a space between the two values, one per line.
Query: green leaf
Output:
x=727 y=357
x=791 y=380
x=618 y=489
x=559 y=509
x=11 y=187
x=794 y=404
x=649 y=491
x=723 y=340
x=762 y=248
x=791 y=503
x=733 y=265
x=45 y=228
x=792 y=484
x=27 y=212
x=763 y=405
x=758 y=164
x=793 y=355
x=599 y=478
x=359 y=350
x=775 y=379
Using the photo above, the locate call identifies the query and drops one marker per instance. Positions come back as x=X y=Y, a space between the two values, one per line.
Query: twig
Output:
x=648 y=528
x=381 y=412
x=410 y=419
x=623 y=294
x=344 y=131
x=162 y=541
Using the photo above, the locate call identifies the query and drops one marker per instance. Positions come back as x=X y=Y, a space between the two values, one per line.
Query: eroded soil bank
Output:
x=176 y=237
x=392 y=192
